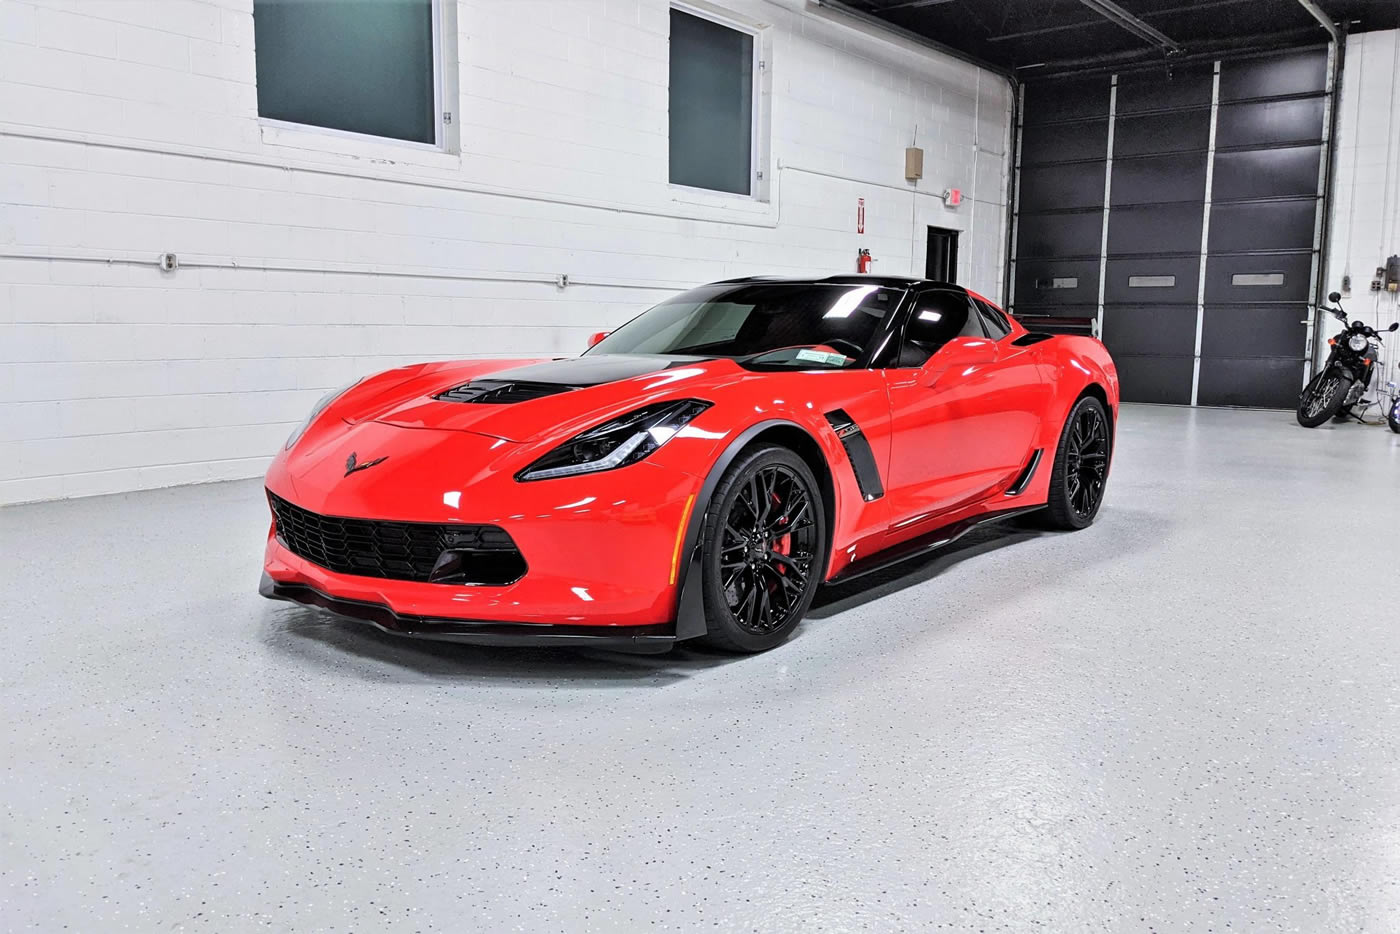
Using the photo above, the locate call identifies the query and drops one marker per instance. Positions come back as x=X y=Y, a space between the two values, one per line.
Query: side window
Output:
x=994 y=320
x=937 y=318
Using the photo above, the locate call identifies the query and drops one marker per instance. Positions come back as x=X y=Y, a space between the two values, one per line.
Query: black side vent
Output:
x=501 y=392
x=1032 y=337
x=858 y=450
x=1023 y=479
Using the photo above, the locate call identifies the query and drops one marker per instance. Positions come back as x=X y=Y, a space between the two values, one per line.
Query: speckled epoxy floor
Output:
x=1161 y=723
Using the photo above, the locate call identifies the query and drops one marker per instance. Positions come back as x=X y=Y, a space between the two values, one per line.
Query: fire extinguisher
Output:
x=863 y=260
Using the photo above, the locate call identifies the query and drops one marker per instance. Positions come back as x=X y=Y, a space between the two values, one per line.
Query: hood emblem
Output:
x=351 y=466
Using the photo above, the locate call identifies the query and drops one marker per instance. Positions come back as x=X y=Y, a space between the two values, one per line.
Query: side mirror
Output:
x=1334 y=296
x=594 y=338
x=1394 y=326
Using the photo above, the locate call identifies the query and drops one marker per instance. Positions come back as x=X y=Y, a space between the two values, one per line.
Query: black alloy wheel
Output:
x=1080 y=474
x=764 y=548
x=1087 y=467
x=1322 y=398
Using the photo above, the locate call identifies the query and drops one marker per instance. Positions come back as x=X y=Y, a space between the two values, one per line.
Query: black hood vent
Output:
x=537 y=380
x=501 y=391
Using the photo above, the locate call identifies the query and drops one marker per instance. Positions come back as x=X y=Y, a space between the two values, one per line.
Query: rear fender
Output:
x=1073 y=366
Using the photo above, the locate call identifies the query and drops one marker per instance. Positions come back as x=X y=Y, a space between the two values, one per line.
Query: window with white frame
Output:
x=712 y=94
x=367 y=67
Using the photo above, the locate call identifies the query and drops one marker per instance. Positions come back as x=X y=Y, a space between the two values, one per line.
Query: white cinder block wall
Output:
x=1366 y=204
x=128 y=129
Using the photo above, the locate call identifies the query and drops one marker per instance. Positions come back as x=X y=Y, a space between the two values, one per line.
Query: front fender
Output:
x=690 y=597
x=850 y=514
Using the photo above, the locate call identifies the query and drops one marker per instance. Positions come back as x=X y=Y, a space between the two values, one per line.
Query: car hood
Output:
x=504 y=399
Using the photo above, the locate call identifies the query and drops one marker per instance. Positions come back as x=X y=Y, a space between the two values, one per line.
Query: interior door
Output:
x=965 y=407
x=941 y=259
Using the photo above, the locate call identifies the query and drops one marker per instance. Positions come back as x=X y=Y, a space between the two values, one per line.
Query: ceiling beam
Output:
x=1121 y=17
x=1202 y=51
x=1065 y=27
x=1322 y=18
x=910 y=4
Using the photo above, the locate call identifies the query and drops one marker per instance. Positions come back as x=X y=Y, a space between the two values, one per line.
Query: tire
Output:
x=1393 y=419
x=1080 y=473
x=764 y=550
x=1322 y=398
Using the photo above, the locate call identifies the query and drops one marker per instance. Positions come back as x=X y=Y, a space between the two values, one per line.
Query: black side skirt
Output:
x=924 y=544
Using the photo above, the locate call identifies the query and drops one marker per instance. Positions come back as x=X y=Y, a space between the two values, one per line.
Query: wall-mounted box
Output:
x=913 y=163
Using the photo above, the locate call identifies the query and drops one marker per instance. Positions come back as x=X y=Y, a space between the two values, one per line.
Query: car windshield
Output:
x=764 y=324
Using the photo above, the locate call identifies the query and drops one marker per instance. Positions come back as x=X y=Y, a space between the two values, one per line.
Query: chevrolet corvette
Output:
x=698 y=473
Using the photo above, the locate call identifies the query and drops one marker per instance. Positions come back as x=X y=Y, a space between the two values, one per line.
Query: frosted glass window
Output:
x=1257 y=278
x=711 y=105
x=365 y=66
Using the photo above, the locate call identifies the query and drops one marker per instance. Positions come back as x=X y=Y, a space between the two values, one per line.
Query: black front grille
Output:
x=407 y=551
x=500 y=392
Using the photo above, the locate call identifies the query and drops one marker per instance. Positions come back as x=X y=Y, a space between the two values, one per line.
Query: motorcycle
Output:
x=1393 y=419
x=1347 y=373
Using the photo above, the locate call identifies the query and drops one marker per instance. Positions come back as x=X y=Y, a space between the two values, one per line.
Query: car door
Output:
x=964 y=406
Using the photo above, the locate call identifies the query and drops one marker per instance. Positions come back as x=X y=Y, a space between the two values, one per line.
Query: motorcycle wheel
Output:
x=1394 y=418
x=1322 y=398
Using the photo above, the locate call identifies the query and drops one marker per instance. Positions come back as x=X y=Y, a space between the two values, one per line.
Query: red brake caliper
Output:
x=782 y=544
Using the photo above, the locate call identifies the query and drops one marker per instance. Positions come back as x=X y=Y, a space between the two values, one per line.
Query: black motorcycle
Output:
x=1347 y=373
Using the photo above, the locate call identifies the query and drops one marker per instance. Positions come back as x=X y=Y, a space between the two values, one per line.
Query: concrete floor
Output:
x=1161 y=723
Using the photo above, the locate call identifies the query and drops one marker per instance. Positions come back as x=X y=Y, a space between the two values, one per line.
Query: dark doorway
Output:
x=942 y=263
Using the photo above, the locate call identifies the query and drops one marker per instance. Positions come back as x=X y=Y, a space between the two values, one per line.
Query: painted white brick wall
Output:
x=1366 y=200
x=128 y=129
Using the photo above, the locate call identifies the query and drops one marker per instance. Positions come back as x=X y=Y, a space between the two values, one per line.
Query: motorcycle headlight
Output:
x=1358 y=342
x=317 y=409
x=623 y=440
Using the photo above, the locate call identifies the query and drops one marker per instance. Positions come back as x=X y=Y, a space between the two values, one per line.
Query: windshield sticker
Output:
x=821 y=356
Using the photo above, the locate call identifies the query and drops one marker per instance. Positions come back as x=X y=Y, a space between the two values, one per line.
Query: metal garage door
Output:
x=1181 y=215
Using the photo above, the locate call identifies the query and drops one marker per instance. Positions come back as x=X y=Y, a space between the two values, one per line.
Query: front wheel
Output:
x=1322 y=398
x=1394 y=418
x=764 y=550
x=1081 y=467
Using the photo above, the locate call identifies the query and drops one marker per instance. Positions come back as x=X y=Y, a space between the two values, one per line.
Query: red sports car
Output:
x=698 y=473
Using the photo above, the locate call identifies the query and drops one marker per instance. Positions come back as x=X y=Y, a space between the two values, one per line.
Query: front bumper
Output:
x=648 y=639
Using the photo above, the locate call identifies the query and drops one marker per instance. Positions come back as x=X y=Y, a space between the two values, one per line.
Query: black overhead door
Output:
x=1225 y=156
x=1265 y=213
x=1063 y=158
x=1152 y=267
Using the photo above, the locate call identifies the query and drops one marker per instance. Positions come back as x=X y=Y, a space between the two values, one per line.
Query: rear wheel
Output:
x=1322 y=398
x=1394 y=418
x=1080 y=473
x=763 y=551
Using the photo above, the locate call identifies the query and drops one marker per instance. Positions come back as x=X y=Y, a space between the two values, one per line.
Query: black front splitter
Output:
x=648 y=640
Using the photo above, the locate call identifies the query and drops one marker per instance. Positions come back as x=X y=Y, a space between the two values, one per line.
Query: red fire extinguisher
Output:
x=863 y=261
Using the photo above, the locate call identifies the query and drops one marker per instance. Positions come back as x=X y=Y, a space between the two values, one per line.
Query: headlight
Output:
x=317 y=409
x=1358 y=342
x=617 y=443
